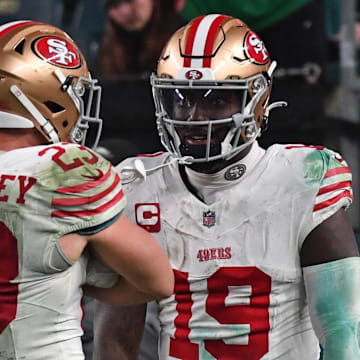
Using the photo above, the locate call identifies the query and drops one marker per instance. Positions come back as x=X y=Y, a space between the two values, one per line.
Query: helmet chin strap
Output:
x=46 y=126
x=138 y=170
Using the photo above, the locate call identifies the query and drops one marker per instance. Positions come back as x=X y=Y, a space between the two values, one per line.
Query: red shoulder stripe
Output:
x=97 y=211
x=332 y=187
x=333 y=200
x=337 y=171
x=86 y=185
x=88 y=199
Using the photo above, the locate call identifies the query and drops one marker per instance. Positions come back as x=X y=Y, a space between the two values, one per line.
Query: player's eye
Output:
x=219 y=102
x=184 y=103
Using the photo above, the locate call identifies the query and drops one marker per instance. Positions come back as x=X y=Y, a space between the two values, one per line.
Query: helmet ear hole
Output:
x=65 y=124
x=19 y=48
x=53 y=106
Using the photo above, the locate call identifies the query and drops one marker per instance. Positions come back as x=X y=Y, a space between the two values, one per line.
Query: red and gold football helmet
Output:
x=45 y=83
x=212 y=89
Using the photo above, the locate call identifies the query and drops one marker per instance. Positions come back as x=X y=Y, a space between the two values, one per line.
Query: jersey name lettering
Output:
x=214 y=253
x=25 y=183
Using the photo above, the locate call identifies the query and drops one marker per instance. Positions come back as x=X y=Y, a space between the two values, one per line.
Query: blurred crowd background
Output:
x=315 y=42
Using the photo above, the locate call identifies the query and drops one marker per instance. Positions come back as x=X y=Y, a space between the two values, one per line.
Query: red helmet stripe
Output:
x=190 y=40
x=209 y=45
x=4 y=29
x=201 y=39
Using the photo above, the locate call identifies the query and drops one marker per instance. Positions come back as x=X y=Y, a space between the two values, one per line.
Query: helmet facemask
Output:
x=86 y=95
x=208 y=120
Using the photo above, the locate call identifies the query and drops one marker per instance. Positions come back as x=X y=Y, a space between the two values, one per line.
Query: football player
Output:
x=265 y=260
x=57 y=197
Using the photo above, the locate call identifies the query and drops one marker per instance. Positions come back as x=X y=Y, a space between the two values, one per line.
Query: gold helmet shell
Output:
x=43 y=77
x=216 y=52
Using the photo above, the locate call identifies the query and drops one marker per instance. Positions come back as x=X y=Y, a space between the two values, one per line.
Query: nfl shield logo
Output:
x=209 y=218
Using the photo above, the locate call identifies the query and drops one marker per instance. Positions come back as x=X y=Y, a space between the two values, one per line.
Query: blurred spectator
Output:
x=179 y=5
x=136 y=31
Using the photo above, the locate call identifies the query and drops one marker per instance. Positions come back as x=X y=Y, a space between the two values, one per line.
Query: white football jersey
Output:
x=46 y=192
x=239 y=291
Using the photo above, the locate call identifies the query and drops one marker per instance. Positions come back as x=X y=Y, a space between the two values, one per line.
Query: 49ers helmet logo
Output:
x=57 y=51
x=194 y=74
x=255 y=48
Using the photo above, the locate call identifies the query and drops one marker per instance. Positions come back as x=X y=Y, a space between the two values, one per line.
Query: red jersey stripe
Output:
x=82 y=313
x=190 y=40
x=184 y=304
x=85 y=186
x=13 y=25
x=332 y=187
x=333 y=200
x=210 y=40
x=337 y=171
x=97 y=211
x=88 y=199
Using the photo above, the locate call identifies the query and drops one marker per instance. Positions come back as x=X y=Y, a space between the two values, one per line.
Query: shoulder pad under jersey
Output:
x=329 y=174
x=75 y=186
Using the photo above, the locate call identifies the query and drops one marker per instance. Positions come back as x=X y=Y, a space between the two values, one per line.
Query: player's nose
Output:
x=200 y=113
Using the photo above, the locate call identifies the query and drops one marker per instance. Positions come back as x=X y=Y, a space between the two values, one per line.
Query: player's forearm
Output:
x=122 y=293
x=333 y=299
x=137 y=256
x=342 y=344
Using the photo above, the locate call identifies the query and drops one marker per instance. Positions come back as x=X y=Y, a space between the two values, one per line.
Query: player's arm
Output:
x=136 y=255
x=122 y=293
x=117 y=331
x=331 y=266
x=87 y=200
x=332 y=240
x=130 y=251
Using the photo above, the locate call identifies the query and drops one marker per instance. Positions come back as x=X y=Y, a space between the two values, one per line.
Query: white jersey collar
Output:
x=209 y=186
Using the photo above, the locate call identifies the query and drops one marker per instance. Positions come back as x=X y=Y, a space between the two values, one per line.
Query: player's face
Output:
x=132 y=15
x=203 y=105
x=195 y=108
